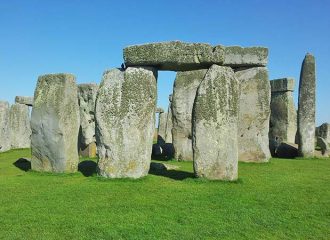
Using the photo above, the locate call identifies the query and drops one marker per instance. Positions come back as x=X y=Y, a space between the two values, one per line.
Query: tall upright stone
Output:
x=215 y=119
x=169 y=124
x=161 y=128
x=254 y=102
x=55 y=124
x=283 y=117
x=4 y=126
x=306 y=108
x=86 y=100
x=20 y=128
x=323 y=131
x=125 y=122
x=184 y=93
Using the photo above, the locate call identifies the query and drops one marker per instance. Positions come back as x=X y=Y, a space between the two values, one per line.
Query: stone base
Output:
x=89 y=151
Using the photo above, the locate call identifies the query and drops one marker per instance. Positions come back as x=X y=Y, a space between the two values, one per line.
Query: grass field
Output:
x=283 y=199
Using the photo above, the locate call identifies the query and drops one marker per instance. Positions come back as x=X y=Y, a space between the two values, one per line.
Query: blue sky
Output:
x=87 y=37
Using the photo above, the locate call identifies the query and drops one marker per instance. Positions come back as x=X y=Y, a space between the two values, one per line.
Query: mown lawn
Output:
x=283 y=199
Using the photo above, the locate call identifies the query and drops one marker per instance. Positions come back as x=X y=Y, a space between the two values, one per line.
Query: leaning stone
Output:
x=283 y=117
x=125 y=122
x=24 y=100
x=236 y=56
x=55 y=124
x=323 y=145
x=184 y=92
x=86 y=101
x=287 y=150
x=215 y=119
x=4 y=126
x=306 y=108
x=20 y=129
x=161 y=128
x=323 y=131
x=254 y=100
x=174 y=55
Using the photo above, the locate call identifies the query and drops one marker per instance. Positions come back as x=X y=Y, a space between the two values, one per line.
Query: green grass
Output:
x=283 y=199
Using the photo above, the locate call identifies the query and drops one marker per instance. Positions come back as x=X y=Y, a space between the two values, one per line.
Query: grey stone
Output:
x=323 y=131
x=88 y=151
x=161 y=128
x=306 y=108
x=283 y=118
x=4 y=126
x=215 y=119
x=162 y=166
x=157 y=150
x=174 y=55
x=159 y=110
x=184 y=92
x=236 y=56
x=169 y=126
x=322 y=143
x=125 y=122
x=86 y=100
x=24 y=100
x=55 y=124
x=254 y=100
x=287 y=150
x=20 y=128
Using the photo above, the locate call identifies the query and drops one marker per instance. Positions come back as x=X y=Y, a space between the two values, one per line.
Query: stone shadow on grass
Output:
x=173 y=174
x=87 y=168
x=23 y=164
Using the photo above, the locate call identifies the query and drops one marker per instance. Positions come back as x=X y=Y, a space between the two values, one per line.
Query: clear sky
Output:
x=87 y=37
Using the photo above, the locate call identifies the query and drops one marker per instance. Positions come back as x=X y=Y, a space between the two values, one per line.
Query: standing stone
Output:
x=184 y=92
x=323 y=131
x=125 y=122
x=215 y=120
x=306 y=108
x=86 y=100
x=161 y=128
x=169 y=124
x=283 y=117
x=20 y=128
x=24 y=100
x=55 y=124
x=323 y=145
x=254 y=100
x=4 y=127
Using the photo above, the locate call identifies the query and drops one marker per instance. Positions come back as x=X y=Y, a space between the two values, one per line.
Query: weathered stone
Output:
x=322 y=143
x=215 y=119
x=323 y=131
x=184 y=92
x=24 y=100
x=174 y=55
x=20 y=128
x=4 y=126
x=306 y=108
x=125 y=122
x=88 y=151
x=283 y=117
x=161 y=128
x=162 y=166
x=159 y=110
x=55 y=124
x=86 y=100
x=236 y=56
x=253 y=127
x=287 y=150
x=169 y=126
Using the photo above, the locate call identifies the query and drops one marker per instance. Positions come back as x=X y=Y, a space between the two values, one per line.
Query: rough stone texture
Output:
x=306 y=108
x=125 y=122
x=322 y=143
x=236 y=56
x=4 y=127
x=169 y=126
x=88 y=151
x=86 y=100
x=159 y=110
x=161 y=128
x=24 y=100
x=55 y=122
x=283 y=117
x=184 y=92
x=254 y=114
x=174 y=55
x=215 y=120
x=20 y=128
x=323 y=131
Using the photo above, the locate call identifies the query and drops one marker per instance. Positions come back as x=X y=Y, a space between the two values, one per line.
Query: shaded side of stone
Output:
x=24 y=100
x=215 y=119
x=282 y=85
x=4 y=126
x=161 y=128
x=323 y=131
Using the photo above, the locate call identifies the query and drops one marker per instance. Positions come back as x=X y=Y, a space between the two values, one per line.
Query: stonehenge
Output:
x=223 y=110
x=55 y=121
x=306 y=108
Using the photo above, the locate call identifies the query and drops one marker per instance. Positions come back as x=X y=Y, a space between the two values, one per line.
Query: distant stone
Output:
x=55 y=124
x=215 y=121
x=88 y=151
x=161 y=127
x=159 y=110
x=20 y=128
x=306 y=108
x=162 y=166
x=323 y=145
x=125 y=118
x=4 y=126
x=174 y=55
x=184 y=92
x=169 y=126
x=236 y=56
x=283 y=118
x=86 y=100
x=24 y=100
x=287 y=150
x=253 y=127
x=323 y=131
